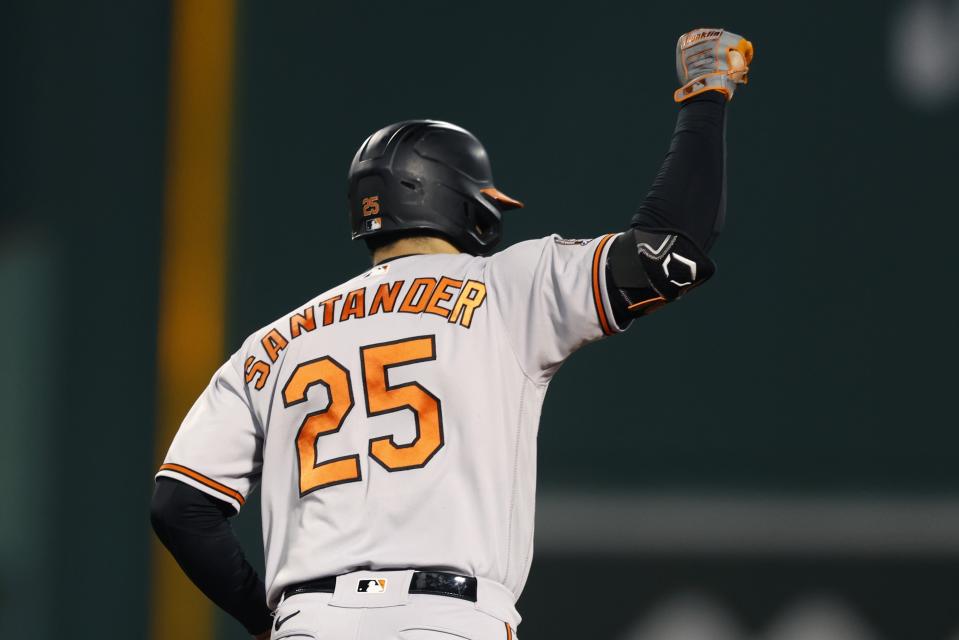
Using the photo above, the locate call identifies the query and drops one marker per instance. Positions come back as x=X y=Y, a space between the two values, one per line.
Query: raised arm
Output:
x=664 y=253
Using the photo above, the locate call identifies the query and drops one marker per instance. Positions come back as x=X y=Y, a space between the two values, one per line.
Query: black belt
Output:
x=436 y=583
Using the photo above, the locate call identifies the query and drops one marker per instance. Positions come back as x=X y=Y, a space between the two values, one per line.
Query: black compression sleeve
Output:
x=689 y=192
x=194 y=527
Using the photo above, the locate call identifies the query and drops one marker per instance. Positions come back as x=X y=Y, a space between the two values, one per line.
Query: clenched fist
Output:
x=711 y=60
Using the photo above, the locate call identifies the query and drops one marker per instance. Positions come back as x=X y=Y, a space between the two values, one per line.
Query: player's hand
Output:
x=711 y=60
x=262 y=636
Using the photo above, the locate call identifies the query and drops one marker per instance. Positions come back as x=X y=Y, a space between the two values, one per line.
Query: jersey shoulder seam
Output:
x=509 y=338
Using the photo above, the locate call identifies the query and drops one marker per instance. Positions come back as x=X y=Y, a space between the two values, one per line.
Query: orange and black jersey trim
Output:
x=598 y=276
x=208 y=482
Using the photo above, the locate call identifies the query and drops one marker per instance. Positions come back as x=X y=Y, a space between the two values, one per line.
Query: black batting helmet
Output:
x=429 y=176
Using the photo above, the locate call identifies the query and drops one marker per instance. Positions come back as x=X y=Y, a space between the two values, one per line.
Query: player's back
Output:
x=392 y=420
x=388 y=440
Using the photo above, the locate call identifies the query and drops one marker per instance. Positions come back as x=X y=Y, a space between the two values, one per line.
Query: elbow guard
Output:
x=652 y=267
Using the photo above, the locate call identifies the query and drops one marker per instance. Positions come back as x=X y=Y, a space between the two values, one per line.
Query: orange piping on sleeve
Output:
x=199 y=477
x=597 y=292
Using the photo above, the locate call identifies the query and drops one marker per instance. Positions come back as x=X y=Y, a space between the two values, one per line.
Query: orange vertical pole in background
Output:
x=193 y=269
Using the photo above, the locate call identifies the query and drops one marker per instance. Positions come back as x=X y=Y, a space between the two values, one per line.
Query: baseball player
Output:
x=391 y=421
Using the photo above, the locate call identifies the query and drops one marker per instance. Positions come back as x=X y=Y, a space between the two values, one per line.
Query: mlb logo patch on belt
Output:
x=377 y=585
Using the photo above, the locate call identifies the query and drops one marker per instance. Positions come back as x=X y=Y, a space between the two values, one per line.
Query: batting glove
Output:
x=711 y=60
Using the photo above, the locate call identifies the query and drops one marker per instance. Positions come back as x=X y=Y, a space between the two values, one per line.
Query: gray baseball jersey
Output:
x=392 y=420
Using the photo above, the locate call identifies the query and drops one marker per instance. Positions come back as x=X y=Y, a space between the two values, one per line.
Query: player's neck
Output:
x=413 y=245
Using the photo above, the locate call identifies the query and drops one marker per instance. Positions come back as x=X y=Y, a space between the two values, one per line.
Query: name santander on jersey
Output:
x=453 y=300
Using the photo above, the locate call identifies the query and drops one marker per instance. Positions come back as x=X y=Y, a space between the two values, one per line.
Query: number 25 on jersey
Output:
x=380 y=398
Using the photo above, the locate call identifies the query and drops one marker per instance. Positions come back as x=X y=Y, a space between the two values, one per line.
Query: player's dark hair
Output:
x=375 y=243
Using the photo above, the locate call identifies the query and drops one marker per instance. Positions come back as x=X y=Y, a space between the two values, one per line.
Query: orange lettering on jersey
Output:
x=385 y=296
x=302 y=322
x=332 y=375
x=353 y=306
x=470 y=299
x=382 y=398
x=442 y=295
x=259 y=370
x=418 y=296
x=274 y=343
x=328 y=309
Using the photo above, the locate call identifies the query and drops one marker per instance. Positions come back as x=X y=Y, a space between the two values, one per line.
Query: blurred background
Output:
x=172 y=177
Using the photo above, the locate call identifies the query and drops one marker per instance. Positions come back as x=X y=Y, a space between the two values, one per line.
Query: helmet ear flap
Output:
x=483 y=221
